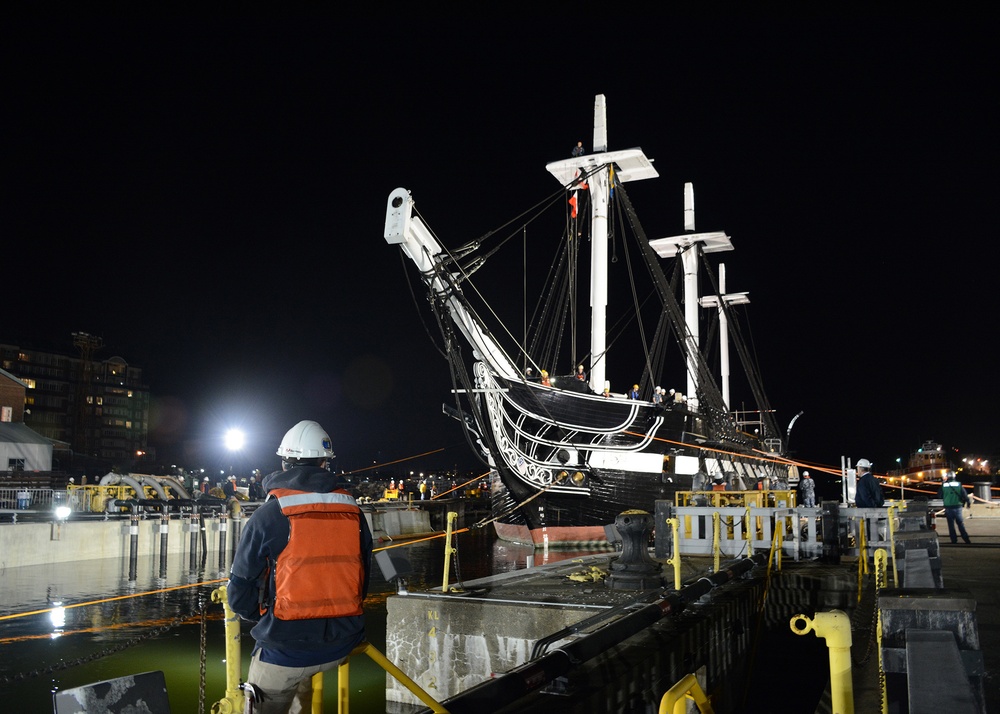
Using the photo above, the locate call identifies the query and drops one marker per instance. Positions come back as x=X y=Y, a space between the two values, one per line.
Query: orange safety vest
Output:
x=320 y=573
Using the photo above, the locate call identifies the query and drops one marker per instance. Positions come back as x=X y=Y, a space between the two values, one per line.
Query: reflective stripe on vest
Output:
x=320 y=573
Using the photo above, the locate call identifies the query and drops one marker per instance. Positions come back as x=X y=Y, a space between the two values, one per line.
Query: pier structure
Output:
x=558 y=638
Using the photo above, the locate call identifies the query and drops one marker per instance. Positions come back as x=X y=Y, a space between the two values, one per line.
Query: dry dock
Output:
x=484 y=648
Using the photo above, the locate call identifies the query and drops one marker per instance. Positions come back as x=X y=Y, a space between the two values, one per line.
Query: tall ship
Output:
x=566 y=452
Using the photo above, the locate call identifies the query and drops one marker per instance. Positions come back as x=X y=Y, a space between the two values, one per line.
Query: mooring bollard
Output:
x=634 y=569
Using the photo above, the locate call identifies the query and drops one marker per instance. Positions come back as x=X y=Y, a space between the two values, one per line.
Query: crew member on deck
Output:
x=580 y=374
x=634 y=392
x=545 y=379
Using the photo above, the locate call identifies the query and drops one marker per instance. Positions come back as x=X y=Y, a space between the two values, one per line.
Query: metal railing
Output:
x=18 y=498
x=732 y=531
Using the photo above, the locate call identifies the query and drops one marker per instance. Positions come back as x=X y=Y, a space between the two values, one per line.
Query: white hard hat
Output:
x=864 y=464
x=805 y=473
x=205 y=479
x=305 y=440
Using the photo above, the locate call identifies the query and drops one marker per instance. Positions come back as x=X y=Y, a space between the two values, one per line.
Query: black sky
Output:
x=208 y=196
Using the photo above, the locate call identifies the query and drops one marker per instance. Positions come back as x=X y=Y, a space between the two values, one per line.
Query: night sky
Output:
x=207 y=195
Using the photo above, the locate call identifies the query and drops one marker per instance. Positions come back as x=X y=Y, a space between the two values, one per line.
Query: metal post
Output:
x=193 y=528
x=675 y=559
x=717 y=546
x=448 y=550
x=835 y=628
x=222 y=542
x=164 y=532
x=133 y=547
x=233 y=702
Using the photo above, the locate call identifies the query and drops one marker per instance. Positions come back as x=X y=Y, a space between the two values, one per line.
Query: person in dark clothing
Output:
x=301 y=573
x=868 y=493
x=255 y=492
x=229 y=487
x=953 y=496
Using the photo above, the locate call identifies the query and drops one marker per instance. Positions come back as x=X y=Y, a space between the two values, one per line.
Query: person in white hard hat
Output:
x=807 y=487
x=303 y=560
x=868 y=493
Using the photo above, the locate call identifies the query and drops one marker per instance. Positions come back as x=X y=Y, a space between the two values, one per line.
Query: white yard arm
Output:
x=409 y=232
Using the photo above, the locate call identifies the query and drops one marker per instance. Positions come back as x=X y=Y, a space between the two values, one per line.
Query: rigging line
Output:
x=111 y=599
x=524 y=287
x=416 y=303
x=752 y=374
x=635 y=302
x=774 y=459
x=390 y=463
x=529 y=499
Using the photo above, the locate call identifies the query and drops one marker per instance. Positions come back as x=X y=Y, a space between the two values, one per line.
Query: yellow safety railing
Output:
x=674 y=700
x=448 y=549
x=234 y=701
x=739 y=499
x=716 y=540
x=892 y=543
x=675 y=559
x=344 y=678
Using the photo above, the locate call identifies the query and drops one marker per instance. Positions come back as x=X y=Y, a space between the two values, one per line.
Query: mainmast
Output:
x=691 y=245
x=593 y=172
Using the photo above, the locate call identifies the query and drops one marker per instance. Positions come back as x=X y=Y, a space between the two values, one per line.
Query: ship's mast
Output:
x=712 y=301
x=690 y=245
x=593 y=172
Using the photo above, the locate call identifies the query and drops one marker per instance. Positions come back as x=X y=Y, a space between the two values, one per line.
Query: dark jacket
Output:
x=868 y=493
x=264 y=537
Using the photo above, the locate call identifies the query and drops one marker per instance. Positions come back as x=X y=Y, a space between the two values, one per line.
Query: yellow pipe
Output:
x=233 y=702
x=675 y=560
x=674 y=700
x=317 y=698
x=343 y=674
x=835 y=628
x=448 y=550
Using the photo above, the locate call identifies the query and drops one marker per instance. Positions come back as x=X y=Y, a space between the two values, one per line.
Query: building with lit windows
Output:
x=97 y=408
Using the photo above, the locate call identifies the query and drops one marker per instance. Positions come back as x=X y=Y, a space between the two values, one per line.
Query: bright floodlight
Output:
x=234 y=439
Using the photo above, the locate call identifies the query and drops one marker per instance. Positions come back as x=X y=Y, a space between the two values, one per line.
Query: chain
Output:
x=866 y=623
x=458 y=569
x=202 y=650
x=107 y=652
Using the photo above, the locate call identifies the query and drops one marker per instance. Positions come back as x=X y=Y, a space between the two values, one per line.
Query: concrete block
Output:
x=936 y=677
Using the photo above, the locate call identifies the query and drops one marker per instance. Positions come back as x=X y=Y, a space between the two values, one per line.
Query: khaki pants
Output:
x=284 y=689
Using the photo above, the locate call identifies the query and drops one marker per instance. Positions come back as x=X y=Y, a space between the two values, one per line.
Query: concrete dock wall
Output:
x=27 y=543
x=450 y=643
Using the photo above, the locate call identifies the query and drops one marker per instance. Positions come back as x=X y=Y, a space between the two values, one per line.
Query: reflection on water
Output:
x=98 y=619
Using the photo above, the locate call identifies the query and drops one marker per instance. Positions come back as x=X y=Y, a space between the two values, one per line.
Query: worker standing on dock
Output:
x=807 y=487
x=301 y=572
x=868 y=493
x=953 y=496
